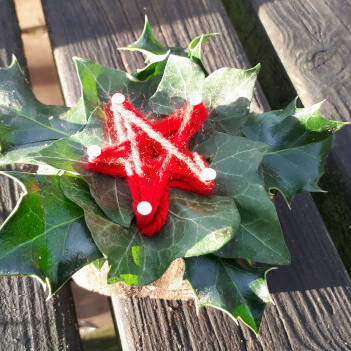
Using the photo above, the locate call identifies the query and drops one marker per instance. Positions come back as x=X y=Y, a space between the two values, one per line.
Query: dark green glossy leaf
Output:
x=69 y=154
x=300 y=140
x=46 y=235
x=240 y=291
x=111 y=194
x=236 y=160
x=25 y=123
x=196 y=225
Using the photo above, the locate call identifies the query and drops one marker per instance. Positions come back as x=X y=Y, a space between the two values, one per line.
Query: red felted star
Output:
x=153 y=156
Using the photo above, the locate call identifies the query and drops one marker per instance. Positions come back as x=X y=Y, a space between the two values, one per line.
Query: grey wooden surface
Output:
x=312 y=295
x=313 y=42
x=27 y=321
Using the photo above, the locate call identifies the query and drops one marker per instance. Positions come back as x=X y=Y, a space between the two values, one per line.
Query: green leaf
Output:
x=196 y=225
x=45 y=235
x=27 y=151
x=156 y=52
x=240 y=291
x=181 y=79
x=195 y=47
x=111 y=194
x=236 y=160
x=66 y=154
x=69 y=154
x=24 y=119
x=300 y=140
x=99 y=263
x=99 y=83
x=148 y=45
x=227 y=94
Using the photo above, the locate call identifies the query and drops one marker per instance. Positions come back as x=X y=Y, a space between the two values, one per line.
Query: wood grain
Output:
x=312 y=295
x=27 y=321
x=313 y=42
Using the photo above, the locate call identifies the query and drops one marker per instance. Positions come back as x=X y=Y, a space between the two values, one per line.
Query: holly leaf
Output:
x=236 y=161
x=196 y=225
x=194 y=49
x=26 y=123
x=241 y=292
x=155 y=52
x=45 y=235
x=300 y=140
x=148 y=45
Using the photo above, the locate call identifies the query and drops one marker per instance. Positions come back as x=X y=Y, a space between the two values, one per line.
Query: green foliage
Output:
x=45 y=235
x=299 y=142
x=239 y=290
x=76 y=217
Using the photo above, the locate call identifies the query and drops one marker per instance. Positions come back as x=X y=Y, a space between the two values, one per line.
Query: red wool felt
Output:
x=153 y=156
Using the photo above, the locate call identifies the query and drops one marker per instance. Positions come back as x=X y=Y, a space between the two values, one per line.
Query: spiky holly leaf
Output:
x=148 y=45
x=241 y=291
x=196 y=225
x=236 y=160
x=155 y=52
x=26 y=125
x=194 y=49
x=300 y=140
x=45 y=235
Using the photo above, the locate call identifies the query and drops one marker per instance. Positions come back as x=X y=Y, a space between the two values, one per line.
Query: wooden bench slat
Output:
x=313 y=42
x=27 y=321
x=311 y=294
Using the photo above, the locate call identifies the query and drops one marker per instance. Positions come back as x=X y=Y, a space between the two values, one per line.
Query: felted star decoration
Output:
x=152 y=156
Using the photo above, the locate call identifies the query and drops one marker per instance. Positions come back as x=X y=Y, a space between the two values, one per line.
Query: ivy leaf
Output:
x=236 y=160
x=25 y=123
x=45 y=235
x=300 y=140
x=196 y=225
x=112 y=194
x=181 y=79
x=227 y=94
x=148 y=45
x=242 y=292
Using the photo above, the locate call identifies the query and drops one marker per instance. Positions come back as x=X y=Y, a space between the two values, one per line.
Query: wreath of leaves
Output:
x=69 y=217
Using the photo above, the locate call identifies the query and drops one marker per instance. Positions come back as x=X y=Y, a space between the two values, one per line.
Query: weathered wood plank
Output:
x=27 y=321
x=313 y=42
x=312 y=295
